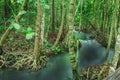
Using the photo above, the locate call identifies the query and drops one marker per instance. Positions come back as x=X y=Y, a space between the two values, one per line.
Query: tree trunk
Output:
x=109 y=42
x=7 y=9
x=53 y=16
x=80 y=23
x=42 y=29
x=61 y=26
x=105 y=15
x=71 y=27
x=117 y=46
x=71 y=16
x=37 y=43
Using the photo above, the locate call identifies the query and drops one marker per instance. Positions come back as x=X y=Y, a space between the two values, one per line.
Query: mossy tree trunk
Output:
x=117 y=46
x=42 y=29
x=71 y=43
x=71 y=27
x=37 y=43
x=116 y=55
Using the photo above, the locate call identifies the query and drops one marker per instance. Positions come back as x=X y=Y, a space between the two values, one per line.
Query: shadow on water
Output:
x=92 y=53
x=59 y=67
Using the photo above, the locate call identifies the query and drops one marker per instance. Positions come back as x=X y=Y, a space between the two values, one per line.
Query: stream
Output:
x=59 y=68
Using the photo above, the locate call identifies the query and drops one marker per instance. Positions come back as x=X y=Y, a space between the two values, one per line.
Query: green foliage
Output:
x=22 y=12
x=11 y=38
x=44 y=4
x=30 y=35
x=81 y=35
x=20 y=1
x=1 y=28
x=77 y=18
x=47 y=43
x=12 y=1
x=28 y=32
x=119 y=30
x=57 y=49
x=15 y=25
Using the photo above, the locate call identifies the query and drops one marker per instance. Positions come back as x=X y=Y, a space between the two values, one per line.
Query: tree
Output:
x=71 y=16
x=37 y=44
x=53 y=16
x=61 y=26
x=7 y=9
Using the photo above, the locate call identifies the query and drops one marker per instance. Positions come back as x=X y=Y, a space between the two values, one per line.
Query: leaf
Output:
x=22 y=12
x=11 y=26
x=42 y=1
x=119 y=30
x=29 y=29
x=30 y=35
x=47 y=7
x=16 y=26
x=1 y=27
x=24 y=31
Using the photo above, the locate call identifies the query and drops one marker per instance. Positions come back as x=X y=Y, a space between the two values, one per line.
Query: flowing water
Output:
x=59 y=67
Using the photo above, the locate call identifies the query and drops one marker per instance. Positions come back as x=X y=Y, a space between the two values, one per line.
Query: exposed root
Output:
x=22 y=61
x=2 y=61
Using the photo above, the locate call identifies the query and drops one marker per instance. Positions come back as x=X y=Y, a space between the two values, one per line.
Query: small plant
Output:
x=28 y=32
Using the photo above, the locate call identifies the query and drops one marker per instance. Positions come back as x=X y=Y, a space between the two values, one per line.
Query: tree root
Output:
x=22 y=61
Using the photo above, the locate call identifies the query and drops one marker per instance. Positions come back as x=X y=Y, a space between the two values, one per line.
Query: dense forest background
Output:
x=31 y=31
